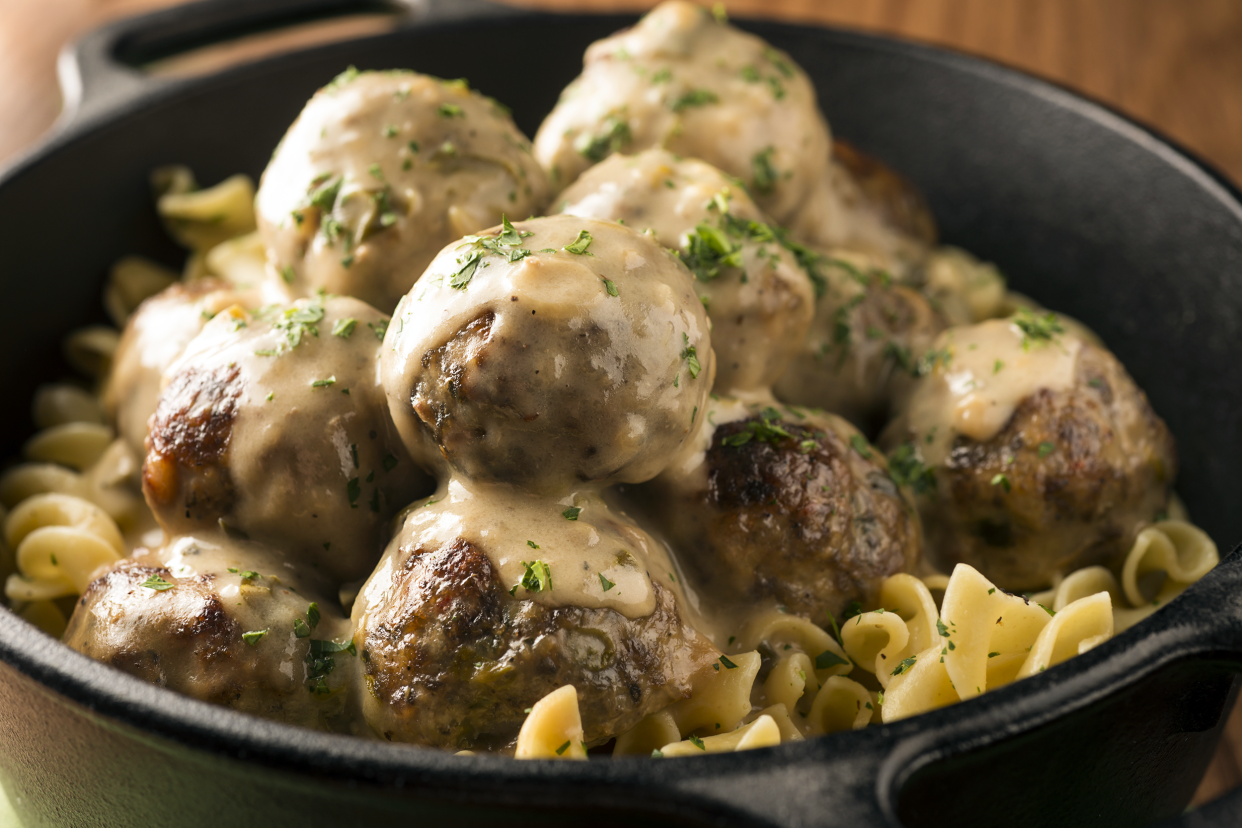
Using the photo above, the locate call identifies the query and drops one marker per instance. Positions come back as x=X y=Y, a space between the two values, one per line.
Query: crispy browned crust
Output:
x=188 y=440
x=1110 y=470
x=807 y=521
x=891 y=194
x=455 y=661
x=181 y=638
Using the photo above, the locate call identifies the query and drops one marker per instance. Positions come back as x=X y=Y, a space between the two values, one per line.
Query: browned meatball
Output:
x=452 y=660
x=275 y=426
x=862 y=350
x=860 y=202
x=1046 y=459
x=789 y=507
x=224 y=622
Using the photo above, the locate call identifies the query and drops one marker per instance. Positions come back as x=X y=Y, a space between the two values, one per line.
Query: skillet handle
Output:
x=98 y=73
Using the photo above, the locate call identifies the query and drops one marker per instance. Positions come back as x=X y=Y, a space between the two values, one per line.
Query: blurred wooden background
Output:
x=1176 y=64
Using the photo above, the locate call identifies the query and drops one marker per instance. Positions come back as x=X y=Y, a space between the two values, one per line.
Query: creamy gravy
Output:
x=989 y=369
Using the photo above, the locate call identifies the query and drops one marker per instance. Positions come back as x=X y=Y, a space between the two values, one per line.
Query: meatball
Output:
x=222 y=621
x=379 y=172
x=699 y=88
x=1036 y=452
x=760 y=300
x=785 y=506
x=155 y=335
x=859 y=202
x=275 y=426
x=863 y=348
x=550 y=353
x=458 y=638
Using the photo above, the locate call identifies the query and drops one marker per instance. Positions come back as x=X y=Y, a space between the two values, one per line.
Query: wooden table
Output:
x=1176 y=64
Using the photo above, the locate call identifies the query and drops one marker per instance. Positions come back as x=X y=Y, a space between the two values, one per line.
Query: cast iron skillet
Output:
x=1081 y=208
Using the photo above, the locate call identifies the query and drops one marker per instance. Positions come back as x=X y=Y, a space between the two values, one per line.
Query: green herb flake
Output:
x=906 y=468
x=560 y=750
x=324 y=383
x=695 y=97
x=312 y=615
x=1045 y=609
x=860 y=445
x=990 y=591
x=390 y=131
x=253 y=636
x=376 y=172
x=729 y=665
x=571 y=513
x=941 y=628
x=657 y=754
x=353 y=489
x=614 y=134
x=993 y=655
x=157 y=583
x=605 y=583
x=287 y=274
x=379 y=328
x=448 y=110
x=750 y=74
x=1037 y=327
x=532 y=544
x=536 y=578
x=389 y=462
x=580 y=245
x=690 y=354
x=764 y=175
x=344 y=327
x=828 y=659
x=1046 y=448
x=300 y=630
x=1002 y=481
x=997 y=366
x=697 y=742
x=905 y=666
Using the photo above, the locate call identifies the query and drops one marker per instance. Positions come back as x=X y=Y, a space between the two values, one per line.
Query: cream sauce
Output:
x=681 y=81
x=991 y=368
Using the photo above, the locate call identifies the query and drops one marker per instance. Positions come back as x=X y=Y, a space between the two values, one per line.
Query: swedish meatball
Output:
x=699 y=88
x=549 y=353
x=758 y=297
x=458 y=637
x=783 y=506
x=859 y=202
x=222 y=621
x=862 y=350
x=154 y=336
x=379 y=172
x=275 y=426
x=1037 y=452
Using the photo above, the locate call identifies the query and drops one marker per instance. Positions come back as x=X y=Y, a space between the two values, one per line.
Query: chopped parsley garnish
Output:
x=560 y=750
x=449 y=110
x=353 y=489
x=690 y=355
x=707 y=249
x=663 y=76
x=376 y=172
x=828 y=659
x=729 y=665
x=571 y=513
x=928 y=362
x=1002 y=481
x=580 y=244
x=657 y=754
x=750 y=74
x=253 y=636
x=611 y=287
x=505 y=244
x=906 y=468
x=462 y=276
x=613 y=135
x=697 y=742
x=287 y=274
x=348 y=76
x=776 y=59
x=537 y=578
x=1046 y=448
x=1045 y=609
x=296 y=322
x=605 y=583
x=860 y=445
x=993 y=655
x=1036 y=327
x=344 y=327
x=764 y=430
x=379 y=329
x=941 y=628
x=324 y=192
x=157 y=583
x=312 y=615
x=695 y=97
x=904 y=667
x=532 y=544
x=764 y=175
x=300 y=630
x=324 y=383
